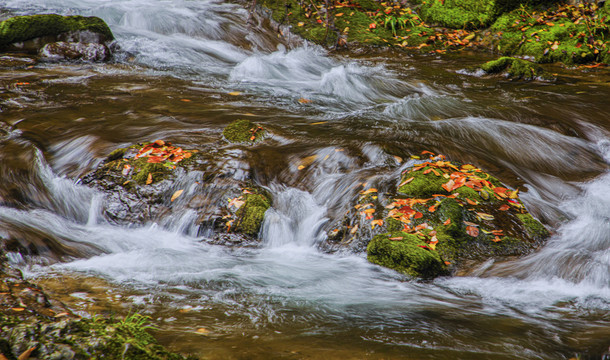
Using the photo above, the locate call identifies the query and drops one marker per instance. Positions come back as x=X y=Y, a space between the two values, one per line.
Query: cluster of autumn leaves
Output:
x=157 y=152
x=408 y=211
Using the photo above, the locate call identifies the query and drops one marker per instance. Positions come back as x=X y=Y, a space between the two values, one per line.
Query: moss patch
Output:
x=23 y=28
x=533 y=227
x=251 y=214
x=409 y=255
x=515 y=68
x=244 y=131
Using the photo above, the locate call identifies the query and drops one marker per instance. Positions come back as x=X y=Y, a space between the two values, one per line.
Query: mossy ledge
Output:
x=30 y=321
x=24 y=28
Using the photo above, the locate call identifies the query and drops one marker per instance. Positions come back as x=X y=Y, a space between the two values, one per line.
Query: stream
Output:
x=184 y=70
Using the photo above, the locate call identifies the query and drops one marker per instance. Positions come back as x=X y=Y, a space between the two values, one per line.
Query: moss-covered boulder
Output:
x=247 y=211
x=456 y=212
x=244 y=132
x=405 y=253
x=50 y=28
x=516 y=69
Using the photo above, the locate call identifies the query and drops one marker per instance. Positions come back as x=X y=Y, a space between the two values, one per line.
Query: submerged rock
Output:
x=57 y=37
x=244 y=132
x=443 y=217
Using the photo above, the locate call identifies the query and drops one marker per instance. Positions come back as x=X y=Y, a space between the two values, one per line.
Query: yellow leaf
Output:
x=369 y=211
x=339 y=14
x=485 y=216
x=301 y=167
x=177 y=195
x=319 y=123
x=468 y=167
x=354 y=229
x=513 y=194
x=203 y=331
x=149 y=179
x=301 y=23
x=371 y=190
x=307 y=161
x=376 y=222
x=235 y=93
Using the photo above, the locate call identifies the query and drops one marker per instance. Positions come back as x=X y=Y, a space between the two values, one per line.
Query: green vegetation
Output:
x=251 y=214
x=244 y=131
x=405 y=253
x=23 y=28
x=515 y=68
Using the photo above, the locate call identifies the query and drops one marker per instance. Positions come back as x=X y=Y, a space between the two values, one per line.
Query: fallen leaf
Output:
x=371 y=190
x=496 y=239
x=319 y=123
x=159 y=142
x=203 y=331
x=418 y=215
x=304 y=101
x=301 y=23
x=485 y=216
x=406 y=181
x=369 y=211
x=432 y=208
x=301 y=167
x=185 y=100
x=396 y=238
x=447 y=222
x=26 y=354
x=126 y=170
x=339 y=14
x=471 y=202
x=378 y=222
x=447 y=263
x=18 y=309
x=234 y=93
x=177 y=195
x=472 y=231
x=354 y=229
x=62 y=314
x=504 y=207
x=149 y=179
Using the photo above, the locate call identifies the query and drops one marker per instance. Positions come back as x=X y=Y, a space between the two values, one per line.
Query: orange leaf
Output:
x=418 y=215
x=406 y=181
x=304 y=101
x=449 y=185
x=26 y=354
x=427 y=171
x=159 y=142
x=17 y=309
x=372 y=25
x=496 y=239
x=447 y=263
x=472 y=231
x=424 y=247
x=376 y=222
x=371 y=190
x=369 y=211
x=396 y=238
x=149 y=179
x=471 y=202
x=504 y=207
x=176 y=195
x=432 y=208
x=447 y=222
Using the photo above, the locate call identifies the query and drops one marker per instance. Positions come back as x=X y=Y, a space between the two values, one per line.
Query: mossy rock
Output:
x=516 y=69
x=244 y=132
x=459 y=212
x=251 y=214
x=23 y=28
x=409 y=255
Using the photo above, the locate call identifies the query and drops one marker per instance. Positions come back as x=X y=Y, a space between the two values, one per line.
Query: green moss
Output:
x=23 y=28
x=533 y=227
x=515 y=68
x=116 y=154
x=142 y=168
x=406 y=256
x=460 y=14
x=251 y=214
x=241 y=131
x=393 y=224
x=423 y=185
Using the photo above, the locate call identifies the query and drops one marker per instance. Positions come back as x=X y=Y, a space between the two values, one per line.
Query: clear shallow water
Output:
x=287 y=298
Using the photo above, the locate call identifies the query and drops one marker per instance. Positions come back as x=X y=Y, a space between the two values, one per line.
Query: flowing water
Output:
x=187 y=68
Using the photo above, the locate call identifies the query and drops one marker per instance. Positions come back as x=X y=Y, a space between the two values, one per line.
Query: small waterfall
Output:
x=295 y=219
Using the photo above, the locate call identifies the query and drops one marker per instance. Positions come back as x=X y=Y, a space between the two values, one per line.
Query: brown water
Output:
x=176 y=79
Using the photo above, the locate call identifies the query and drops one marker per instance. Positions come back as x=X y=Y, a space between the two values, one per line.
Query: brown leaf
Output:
x=177 y=195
